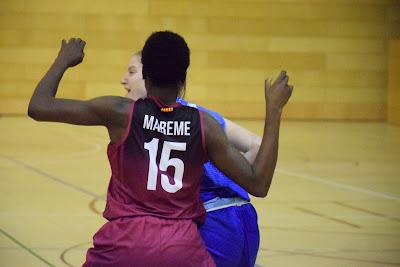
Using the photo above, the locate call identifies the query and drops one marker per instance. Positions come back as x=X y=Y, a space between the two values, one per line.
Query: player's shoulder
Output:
x=113 y=108
x=117 y=104
x=115 y=100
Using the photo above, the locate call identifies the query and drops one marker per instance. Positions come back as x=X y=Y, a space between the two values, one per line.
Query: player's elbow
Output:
x=263 y=193
x=258 y=190
x=32 y=111
x=35 y=112
x=260 y=193
x=260 y=186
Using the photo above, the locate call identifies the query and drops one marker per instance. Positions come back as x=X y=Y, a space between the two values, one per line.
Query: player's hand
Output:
x=71 y=52
x=278 y=93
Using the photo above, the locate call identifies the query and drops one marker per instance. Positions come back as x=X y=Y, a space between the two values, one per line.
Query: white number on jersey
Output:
x=165 y=162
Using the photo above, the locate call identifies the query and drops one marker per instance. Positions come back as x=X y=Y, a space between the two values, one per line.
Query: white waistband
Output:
x=221 y=203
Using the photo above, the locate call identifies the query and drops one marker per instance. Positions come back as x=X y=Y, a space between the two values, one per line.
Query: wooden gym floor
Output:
x=335 y=198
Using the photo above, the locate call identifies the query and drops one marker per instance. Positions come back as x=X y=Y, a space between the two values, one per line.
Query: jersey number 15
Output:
x=165 y=162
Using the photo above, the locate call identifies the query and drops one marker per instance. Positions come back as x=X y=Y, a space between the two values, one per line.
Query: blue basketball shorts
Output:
x=231 y=236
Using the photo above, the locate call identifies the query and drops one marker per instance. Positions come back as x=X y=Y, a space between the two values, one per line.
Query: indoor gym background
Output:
x=335 y=198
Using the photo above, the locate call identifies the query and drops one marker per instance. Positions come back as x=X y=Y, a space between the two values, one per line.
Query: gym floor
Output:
x=334 y=201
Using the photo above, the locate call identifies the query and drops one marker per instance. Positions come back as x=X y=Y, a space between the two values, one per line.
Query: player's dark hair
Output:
x=165 y=59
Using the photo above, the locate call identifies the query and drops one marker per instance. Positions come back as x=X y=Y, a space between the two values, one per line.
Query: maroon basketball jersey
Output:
x=156 y=167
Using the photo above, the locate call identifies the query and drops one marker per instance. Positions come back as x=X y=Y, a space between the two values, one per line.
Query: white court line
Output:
x=341 y=185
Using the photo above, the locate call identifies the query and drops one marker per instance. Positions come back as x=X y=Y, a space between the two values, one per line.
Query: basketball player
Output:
x=156 y=152
x=230 y=230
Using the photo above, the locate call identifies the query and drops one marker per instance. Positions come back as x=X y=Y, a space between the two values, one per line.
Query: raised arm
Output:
x=255 y=178
x=109 y=111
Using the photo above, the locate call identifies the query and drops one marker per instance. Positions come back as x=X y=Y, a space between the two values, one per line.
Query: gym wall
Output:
x=336 y=52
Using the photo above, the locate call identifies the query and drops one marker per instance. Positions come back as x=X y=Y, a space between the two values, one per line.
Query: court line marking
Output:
x=54 y=178
x=62 y=255
x=327 y=217
x=340 y=185
x=26 y=248
x=299 y=175
x=366 y=211
x=309 y=177
x=92 y=204
x=50 y=176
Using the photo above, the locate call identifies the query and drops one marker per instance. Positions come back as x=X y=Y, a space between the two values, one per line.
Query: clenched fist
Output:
x=277 y=94
x=71 y=52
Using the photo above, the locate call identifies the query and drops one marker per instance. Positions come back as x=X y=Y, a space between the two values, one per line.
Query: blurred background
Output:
x=335 y=198
x=336 y=52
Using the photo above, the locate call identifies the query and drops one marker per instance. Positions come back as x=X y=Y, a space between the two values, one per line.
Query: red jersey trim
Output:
x=128 y=129
x=203 y=136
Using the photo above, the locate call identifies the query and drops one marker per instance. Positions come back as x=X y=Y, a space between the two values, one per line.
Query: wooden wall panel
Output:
x=393 y=96
x=335 y=51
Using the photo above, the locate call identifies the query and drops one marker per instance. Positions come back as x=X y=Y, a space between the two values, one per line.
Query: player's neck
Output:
x=167 y=95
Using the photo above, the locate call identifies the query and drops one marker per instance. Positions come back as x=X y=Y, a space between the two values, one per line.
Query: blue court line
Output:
x=52 y=177
x=26 y=248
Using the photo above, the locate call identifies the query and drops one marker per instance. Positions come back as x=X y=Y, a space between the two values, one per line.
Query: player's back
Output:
x=153 y=197
x=156 y=167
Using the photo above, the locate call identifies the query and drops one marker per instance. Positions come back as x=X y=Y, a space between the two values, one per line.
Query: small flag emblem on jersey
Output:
x=168 y=109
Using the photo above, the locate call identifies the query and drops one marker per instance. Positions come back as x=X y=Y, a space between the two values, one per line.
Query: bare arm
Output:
x=109 y=111
x=243 y=140
x=256 y=178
